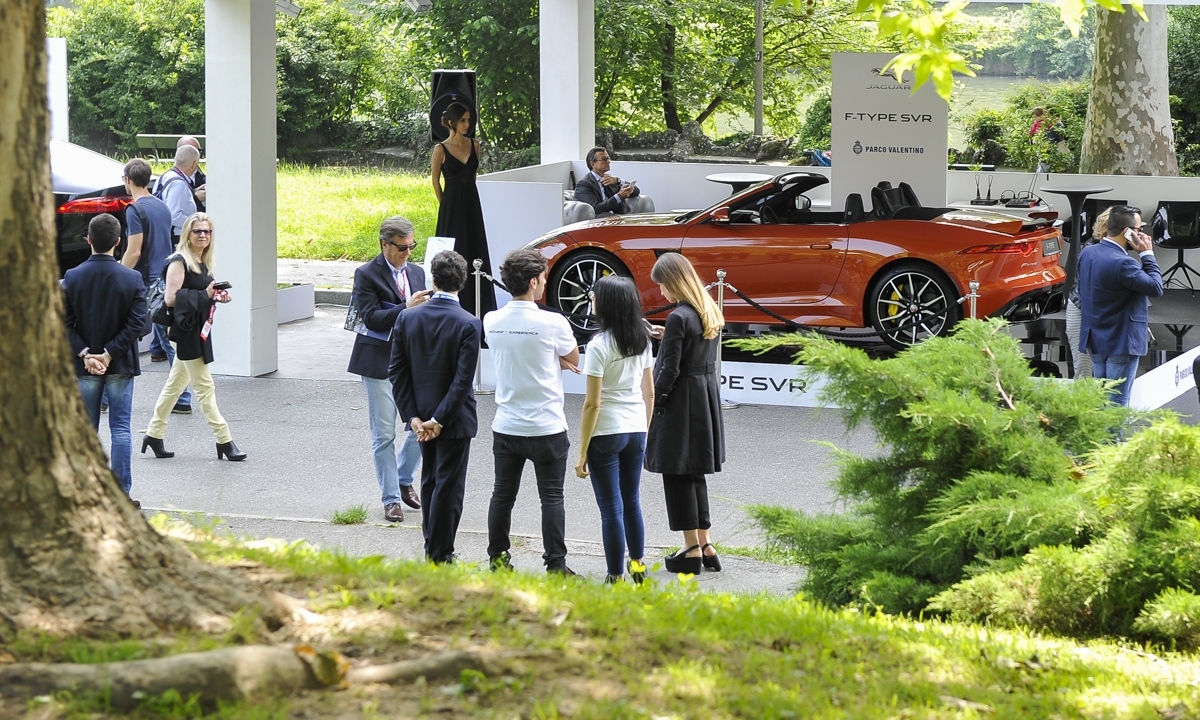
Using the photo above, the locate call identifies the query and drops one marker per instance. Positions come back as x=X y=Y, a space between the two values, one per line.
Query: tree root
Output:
x=232 y=674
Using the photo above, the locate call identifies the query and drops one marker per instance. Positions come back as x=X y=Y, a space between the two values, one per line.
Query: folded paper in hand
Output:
x=356 y=323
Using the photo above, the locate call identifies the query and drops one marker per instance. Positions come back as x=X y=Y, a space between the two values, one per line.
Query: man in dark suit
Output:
x=105 y=305
x=435 y=348
x=605 y=193
x=384 y=289
x=1114 y=293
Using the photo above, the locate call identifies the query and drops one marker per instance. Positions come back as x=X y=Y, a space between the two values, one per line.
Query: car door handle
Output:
x=821 y=246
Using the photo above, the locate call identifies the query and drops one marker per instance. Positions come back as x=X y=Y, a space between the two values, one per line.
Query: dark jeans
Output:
x=615 y=462
x=443 y=482
x=549 y=456
x=687 y=502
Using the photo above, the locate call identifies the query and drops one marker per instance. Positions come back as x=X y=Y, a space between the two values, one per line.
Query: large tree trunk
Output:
x=75 y=556
x=670 y=107
x=1129 y=117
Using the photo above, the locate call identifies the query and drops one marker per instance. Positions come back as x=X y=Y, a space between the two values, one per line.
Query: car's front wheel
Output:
x=912 y=302
x=571 y=284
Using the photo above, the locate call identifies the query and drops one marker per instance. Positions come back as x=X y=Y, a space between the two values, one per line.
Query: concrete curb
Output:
x=332 y=296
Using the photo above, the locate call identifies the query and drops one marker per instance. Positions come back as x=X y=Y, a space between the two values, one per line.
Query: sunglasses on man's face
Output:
x=403 y=248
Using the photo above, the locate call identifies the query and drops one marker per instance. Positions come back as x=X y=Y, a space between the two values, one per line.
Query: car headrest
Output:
x=886 y=200
x=880 y=206
x=854 y=208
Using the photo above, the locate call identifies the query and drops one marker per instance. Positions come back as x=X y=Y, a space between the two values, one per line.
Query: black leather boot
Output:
x=155 y=444
x=230 y=452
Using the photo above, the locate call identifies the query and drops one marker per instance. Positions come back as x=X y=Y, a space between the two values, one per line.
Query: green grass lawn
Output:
x=576 y=648
x=334 y=213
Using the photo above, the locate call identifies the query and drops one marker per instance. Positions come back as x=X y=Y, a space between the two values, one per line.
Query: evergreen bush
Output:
x=978 y=464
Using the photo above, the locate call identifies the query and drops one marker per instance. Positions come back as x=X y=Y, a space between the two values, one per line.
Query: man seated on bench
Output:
x=605 y=193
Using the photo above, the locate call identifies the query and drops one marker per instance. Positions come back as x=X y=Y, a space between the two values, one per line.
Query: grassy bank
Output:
x=572 y=648
x=334 y=213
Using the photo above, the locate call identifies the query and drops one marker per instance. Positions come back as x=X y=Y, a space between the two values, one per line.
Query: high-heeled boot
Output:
x=155 y=444
x=230 y=451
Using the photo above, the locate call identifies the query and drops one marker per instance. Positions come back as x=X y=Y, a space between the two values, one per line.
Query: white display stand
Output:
x=882 y=130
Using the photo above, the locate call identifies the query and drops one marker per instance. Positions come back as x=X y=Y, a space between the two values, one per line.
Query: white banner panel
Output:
x=883 y=131
x=1164 y=383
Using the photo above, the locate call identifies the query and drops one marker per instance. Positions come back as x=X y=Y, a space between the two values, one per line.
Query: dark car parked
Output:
x=85 y=184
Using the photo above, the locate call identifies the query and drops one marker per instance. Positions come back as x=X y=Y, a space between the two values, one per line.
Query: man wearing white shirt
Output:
x=530 y=348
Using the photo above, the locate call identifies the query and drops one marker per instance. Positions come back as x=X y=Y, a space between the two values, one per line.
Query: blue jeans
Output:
x=393 y=467
x=118 y=389
x=159 y=337
x=615 y=463
x=1116 y=367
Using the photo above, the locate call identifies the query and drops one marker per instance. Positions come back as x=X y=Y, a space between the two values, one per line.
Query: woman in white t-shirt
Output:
x=616 y=412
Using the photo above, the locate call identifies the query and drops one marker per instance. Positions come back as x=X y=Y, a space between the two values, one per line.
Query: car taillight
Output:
x=1025 y=247
x=95 y=205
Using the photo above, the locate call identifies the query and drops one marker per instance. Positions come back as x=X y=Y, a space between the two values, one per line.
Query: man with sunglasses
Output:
x=384 y=288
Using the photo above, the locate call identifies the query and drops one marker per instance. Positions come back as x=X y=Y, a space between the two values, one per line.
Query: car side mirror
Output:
x=803 y=202
x=720 y=216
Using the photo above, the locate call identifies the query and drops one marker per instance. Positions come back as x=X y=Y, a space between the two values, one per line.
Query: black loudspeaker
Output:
x=451 y=86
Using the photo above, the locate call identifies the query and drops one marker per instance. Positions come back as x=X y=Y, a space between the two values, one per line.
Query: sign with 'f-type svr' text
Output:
x=882 y=130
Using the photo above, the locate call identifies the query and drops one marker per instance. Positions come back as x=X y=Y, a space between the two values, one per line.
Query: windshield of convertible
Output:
x=780 y=201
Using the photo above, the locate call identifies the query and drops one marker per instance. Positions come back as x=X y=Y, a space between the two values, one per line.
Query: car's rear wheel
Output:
x=912 y=302
x=573 y=279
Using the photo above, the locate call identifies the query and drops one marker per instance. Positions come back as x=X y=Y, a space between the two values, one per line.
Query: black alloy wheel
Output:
x=571 y=284
x=911 y=303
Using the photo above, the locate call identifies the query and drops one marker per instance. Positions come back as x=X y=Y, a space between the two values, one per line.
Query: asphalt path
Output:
x=305 y=430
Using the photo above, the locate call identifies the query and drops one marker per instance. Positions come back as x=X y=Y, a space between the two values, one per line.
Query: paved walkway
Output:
x=305 y=429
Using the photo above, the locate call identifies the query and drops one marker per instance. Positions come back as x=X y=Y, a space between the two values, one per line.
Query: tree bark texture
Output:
x=75 y=556
x=1128 y=129
x=670 y=107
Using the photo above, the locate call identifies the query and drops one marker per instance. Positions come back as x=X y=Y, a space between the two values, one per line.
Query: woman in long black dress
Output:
x=686 y=439
x=460 y=216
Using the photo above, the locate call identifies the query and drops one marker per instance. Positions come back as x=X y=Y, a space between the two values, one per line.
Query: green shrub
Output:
x=979 y=458
x=1008 y=127
x=817 y=130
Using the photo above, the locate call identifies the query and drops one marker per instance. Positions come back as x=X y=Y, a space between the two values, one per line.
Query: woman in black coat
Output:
x=686 y=439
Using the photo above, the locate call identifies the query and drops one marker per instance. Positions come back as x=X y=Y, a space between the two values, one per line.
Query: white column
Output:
x=568 y=77
x=240 y=145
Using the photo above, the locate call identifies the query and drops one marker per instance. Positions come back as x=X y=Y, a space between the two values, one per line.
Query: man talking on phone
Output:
x=1114 y=299
x=605 y=193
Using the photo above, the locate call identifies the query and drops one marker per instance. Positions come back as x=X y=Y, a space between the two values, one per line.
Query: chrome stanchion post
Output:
x=721 y=274
x=479 y=362
x=974 y=285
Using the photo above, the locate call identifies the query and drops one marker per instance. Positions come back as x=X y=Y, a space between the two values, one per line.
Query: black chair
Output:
x=1092 y=207
x=1176 y=226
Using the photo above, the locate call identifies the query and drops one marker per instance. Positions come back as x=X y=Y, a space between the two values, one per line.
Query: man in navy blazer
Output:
x=435 y=348
x=605 y=193
x=1114 y=299
x=385 y=288
x=105 y=304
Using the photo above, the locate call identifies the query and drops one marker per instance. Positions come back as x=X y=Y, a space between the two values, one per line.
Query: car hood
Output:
x=616 y=220
x=75 y=170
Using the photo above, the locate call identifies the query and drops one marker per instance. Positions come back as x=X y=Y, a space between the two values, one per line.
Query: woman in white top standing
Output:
x=616 y=412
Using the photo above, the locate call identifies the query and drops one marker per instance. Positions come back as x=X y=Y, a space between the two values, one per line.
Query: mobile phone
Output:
x=1129 y=234
x=632 y=182
x=649 y=327
x=223 y=285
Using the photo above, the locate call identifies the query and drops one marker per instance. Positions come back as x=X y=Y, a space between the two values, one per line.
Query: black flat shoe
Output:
x=155 y=444
x=712 y=562
x=230 y=452
x=680 y=563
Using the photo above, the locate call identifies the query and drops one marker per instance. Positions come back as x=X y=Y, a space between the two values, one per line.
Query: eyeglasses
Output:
x=201 y=232
x=404 y=248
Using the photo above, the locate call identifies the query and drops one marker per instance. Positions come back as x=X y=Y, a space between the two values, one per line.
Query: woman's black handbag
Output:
x=156 y=301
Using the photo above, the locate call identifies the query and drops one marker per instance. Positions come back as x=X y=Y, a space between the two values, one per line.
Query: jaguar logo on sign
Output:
x=885 y=73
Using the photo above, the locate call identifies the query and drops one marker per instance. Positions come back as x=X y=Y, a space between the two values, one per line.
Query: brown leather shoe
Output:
x=410 y=497
x=393 y=512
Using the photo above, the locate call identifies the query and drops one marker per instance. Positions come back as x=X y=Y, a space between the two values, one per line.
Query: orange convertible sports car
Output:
x=900 y=269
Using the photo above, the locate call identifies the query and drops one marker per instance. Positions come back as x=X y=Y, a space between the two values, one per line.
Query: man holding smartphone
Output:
x=605 y=193
x=1114 y=299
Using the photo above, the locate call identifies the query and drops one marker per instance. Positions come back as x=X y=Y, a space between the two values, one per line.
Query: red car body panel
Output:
x=821 y=273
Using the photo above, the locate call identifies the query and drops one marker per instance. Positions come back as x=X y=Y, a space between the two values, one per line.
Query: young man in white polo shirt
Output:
x=530 y=347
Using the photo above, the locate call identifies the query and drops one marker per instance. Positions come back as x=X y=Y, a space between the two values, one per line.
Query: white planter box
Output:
x=296 y=302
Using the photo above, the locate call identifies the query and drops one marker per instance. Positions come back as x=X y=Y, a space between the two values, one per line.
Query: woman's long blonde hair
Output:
x=1100 y=226
x=185 y=243
x=677 y=274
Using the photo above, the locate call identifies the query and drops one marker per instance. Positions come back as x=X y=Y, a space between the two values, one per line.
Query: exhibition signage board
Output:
x=1164 y=383
x=882 y=130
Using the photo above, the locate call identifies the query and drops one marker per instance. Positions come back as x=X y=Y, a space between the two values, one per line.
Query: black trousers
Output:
x=687 y=502
x=549 y=456
x=443 y=481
